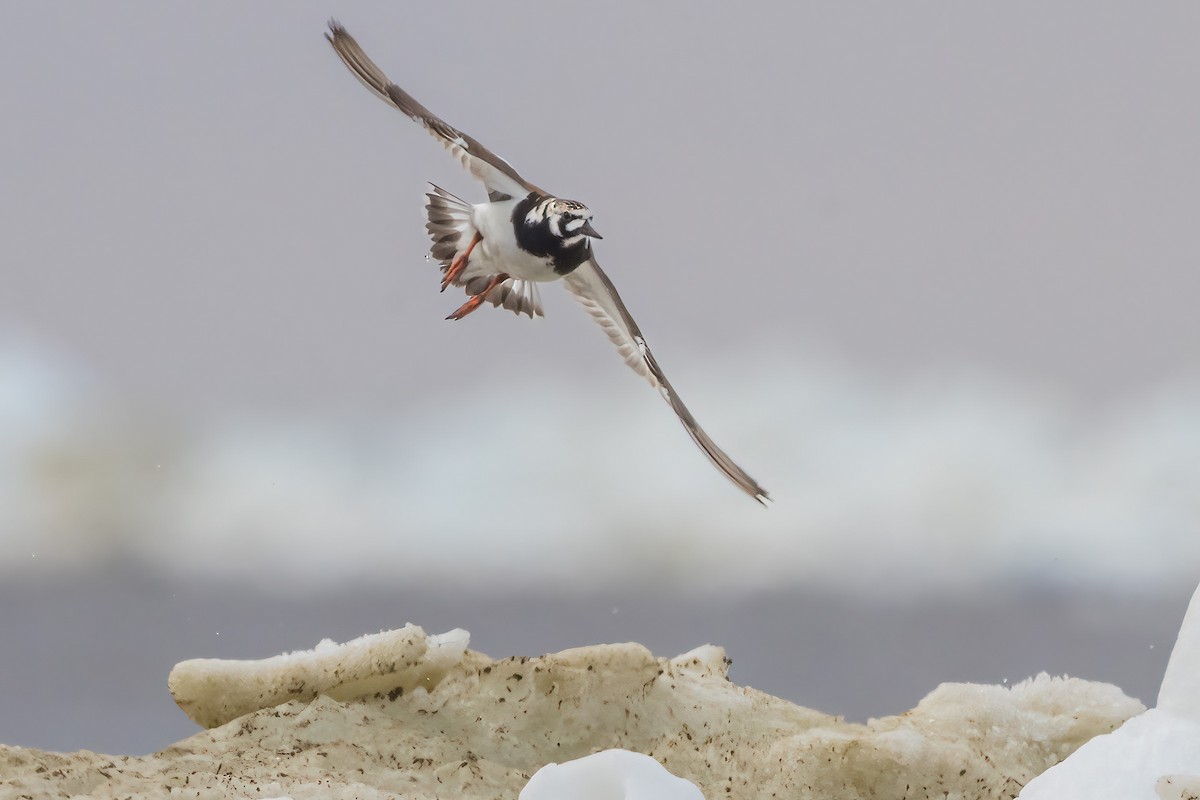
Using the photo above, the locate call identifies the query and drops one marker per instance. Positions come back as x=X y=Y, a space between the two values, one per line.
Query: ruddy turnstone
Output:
x=500 y=250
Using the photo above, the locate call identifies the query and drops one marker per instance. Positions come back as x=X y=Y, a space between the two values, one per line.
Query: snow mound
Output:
x=1179 y=693
x=213 y=691
x=477 y=728
x=1156 y=754
x=609 y=775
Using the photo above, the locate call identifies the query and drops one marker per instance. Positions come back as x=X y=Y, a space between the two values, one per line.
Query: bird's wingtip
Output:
x=335 y=29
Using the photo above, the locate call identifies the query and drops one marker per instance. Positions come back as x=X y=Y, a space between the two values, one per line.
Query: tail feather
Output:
x=518 y=296
x=449 y=224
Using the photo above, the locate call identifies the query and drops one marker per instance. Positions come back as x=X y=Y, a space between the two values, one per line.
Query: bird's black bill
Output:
x=588 y=230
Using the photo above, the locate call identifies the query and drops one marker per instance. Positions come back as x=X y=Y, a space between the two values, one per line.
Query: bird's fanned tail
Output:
x=448 y=220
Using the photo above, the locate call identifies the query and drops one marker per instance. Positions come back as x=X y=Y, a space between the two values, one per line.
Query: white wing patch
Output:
x=587 y=288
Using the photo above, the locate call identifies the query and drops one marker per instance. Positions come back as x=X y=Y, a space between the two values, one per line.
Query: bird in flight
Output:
x=501 y=249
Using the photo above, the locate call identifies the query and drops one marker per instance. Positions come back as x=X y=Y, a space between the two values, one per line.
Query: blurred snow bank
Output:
x=932 y=484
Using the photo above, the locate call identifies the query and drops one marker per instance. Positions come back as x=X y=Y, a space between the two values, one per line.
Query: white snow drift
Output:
x=1156 y=754
x=609 y=775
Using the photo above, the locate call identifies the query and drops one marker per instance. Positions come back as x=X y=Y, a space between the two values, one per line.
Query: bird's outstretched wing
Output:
x=596 y=293
x=497 y=175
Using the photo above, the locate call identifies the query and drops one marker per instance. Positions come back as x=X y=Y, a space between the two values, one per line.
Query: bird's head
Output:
x=570 y=221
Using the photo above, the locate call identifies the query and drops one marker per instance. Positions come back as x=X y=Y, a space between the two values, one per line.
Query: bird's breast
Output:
x=499 y=249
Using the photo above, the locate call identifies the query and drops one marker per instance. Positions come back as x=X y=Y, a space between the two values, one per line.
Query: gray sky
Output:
x=203 y=207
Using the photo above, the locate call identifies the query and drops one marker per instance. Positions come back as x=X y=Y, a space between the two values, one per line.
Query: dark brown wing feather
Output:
x=597 y=294
x=496 y=174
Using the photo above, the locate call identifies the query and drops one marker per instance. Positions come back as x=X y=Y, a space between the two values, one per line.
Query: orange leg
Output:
x=460 y=262
x=477 y=300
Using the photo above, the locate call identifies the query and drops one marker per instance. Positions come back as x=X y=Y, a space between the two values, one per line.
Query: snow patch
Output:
x=609 y=775
x=1180 y=690
x=1156 y=754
